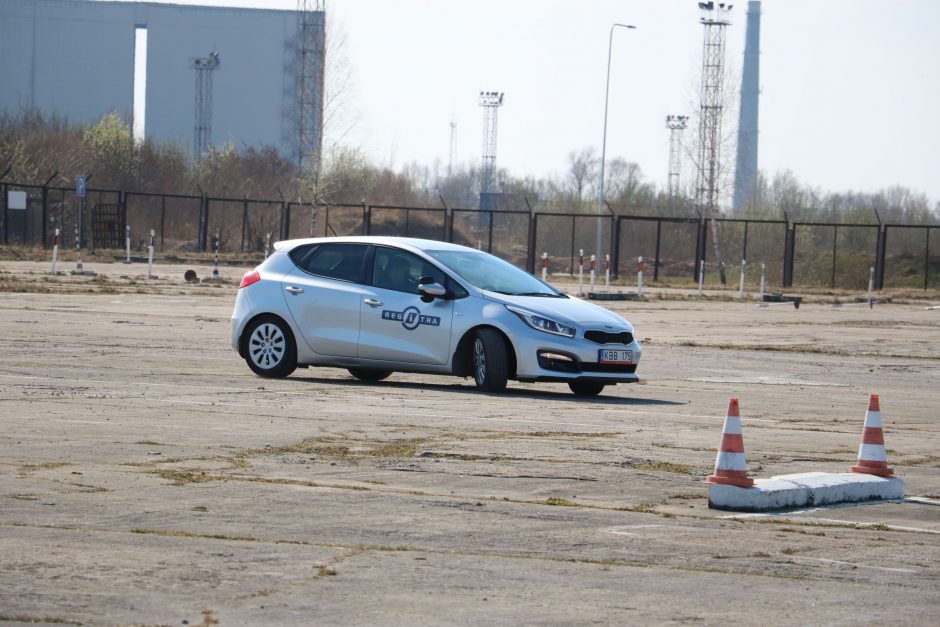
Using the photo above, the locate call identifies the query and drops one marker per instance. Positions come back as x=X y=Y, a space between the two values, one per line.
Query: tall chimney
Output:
x=746 y=162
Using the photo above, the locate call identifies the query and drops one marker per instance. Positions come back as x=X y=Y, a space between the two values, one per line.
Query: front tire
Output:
x=369 y=374
x=270 y=348
x=586 y=388
x=490 y=361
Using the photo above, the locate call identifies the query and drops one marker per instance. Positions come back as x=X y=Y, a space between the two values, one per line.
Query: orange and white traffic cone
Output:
x=872 y=459
x=731 y=463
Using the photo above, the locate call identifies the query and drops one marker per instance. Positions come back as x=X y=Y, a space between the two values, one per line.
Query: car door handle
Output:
x=373 y=302
x=294 y=290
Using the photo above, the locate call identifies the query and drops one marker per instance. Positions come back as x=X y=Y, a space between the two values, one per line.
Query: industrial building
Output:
x=76 y=59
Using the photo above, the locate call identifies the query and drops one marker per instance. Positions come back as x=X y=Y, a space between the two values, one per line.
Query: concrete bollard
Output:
x=606 y=273
x=741 y=284
x=79 y=268
x=581 y=272
x=127 y=240
x=55 y=250
x=593 y=271
x=150 y=256
x=544 y=267
x=871 y=286
x=701 y=277
x=639 y=276
x=267 y=248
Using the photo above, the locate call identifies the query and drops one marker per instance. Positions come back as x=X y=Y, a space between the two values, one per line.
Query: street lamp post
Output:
x=600 y=194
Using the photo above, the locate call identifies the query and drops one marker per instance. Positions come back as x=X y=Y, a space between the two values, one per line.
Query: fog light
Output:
x=556 y=356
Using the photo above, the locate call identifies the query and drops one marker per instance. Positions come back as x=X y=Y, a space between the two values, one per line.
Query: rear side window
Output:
x=334 y=261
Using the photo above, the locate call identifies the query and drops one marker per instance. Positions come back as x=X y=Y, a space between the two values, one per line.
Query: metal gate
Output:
x=107 y=226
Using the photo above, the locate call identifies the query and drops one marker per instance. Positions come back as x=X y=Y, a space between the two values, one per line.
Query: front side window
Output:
x=487 y=272
x=401 y=271
x=334 y=261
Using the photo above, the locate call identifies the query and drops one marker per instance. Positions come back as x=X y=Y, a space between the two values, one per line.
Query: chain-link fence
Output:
x=673 y=248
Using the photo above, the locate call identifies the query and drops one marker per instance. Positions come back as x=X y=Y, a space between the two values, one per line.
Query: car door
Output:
x=324 y=292
x=395 y=323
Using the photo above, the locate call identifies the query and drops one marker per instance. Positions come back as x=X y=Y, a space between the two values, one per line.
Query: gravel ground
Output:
x=148 y=477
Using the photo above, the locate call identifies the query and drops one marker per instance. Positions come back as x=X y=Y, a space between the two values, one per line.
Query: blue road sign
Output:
x=80 y=186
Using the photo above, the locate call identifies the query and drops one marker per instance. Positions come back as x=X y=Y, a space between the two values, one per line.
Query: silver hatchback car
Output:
x=378 y=305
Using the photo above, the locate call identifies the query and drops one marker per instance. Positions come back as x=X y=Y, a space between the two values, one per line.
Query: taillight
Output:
x=250 y=277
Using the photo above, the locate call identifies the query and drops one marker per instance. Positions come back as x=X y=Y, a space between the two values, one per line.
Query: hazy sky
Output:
x=849 y=87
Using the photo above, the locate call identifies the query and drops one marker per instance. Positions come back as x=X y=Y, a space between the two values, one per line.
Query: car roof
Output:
x=399 y=242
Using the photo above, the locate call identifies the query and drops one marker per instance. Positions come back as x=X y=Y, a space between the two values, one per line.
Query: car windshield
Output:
x=487 y=272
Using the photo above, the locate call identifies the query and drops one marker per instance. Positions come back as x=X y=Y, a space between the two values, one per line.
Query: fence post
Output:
x=659 y=228
x=162 y=221
x=880 y=246
x=572 y=250
x=530 y=246
x=835 y=252
x=927 y=259
x=789 y=250
x=4 y=189
x=700 y=244
x=203 y=222
x=285 y=220
x=489 y=236
x=244 y=221
x=45 y=215
x=366 y=219
x=615 y=223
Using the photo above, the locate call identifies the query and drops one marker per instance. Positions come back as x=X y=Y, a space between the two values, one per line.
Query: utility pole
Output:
x=202 y=131
x=676 y=124
x=453 y=148
x=714 y=19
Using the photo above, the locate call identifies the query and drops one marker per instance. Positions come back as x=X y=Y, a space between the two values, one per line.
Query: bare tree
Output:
x=582 y=171
x=322 y=176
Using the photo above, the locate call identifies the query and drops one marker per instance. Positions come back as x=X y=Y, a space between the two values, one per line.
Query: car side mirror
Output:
x=429 y=291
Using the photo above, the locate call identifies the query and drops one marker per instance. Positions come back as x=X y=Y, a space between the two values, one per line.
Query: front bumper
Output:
x=574 y=360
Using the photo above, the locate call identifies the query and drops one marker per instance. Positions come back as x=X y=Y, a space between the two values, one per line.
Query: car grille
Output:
x=603 y=337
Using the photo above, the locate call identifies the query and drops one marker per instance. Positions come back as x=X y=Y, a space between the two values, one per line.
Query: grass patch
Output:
x=167 y=533
x=932 y=461
x=656 y=466
x=560 y=502
x=27 y=469
x=326 y=571
x=183 y=476
x=337 y=448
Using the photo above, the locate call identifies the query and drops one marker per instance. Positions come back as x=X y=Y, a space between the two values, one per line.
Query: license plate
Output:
x=611 y=356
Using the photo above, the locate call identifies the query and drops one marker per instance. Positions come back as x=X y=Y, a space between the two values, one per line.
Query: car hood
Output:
x=569 y=309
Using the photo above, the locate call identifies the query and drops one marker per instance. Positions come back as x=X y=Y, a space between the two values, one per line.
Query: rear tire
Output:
x=586 y=388
x=490 y=361
x=270 y=349
x=369 y=374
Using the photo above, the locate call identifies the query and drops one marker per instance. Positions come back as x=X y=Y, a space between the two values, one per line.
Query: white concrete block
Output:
x=804 y=490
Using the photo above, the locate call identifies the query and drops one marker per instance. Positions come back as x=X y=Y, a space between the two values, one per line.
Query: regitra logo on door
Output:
x=411 y=318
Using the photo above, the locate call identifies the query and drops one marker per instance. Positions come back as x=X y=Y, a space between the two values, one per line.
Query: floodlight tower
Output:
x=676 y=124
x=202 y=132
x=715 y=17
x=311 y=42
x=491 y=101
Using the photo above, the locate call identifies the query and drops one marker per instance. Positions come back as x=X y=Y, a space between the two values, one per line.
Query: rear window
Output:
x=335 y=261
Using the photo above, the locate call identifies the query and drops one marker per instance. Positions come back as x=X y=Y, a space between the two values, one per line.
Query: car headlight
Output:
x=541 y=323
